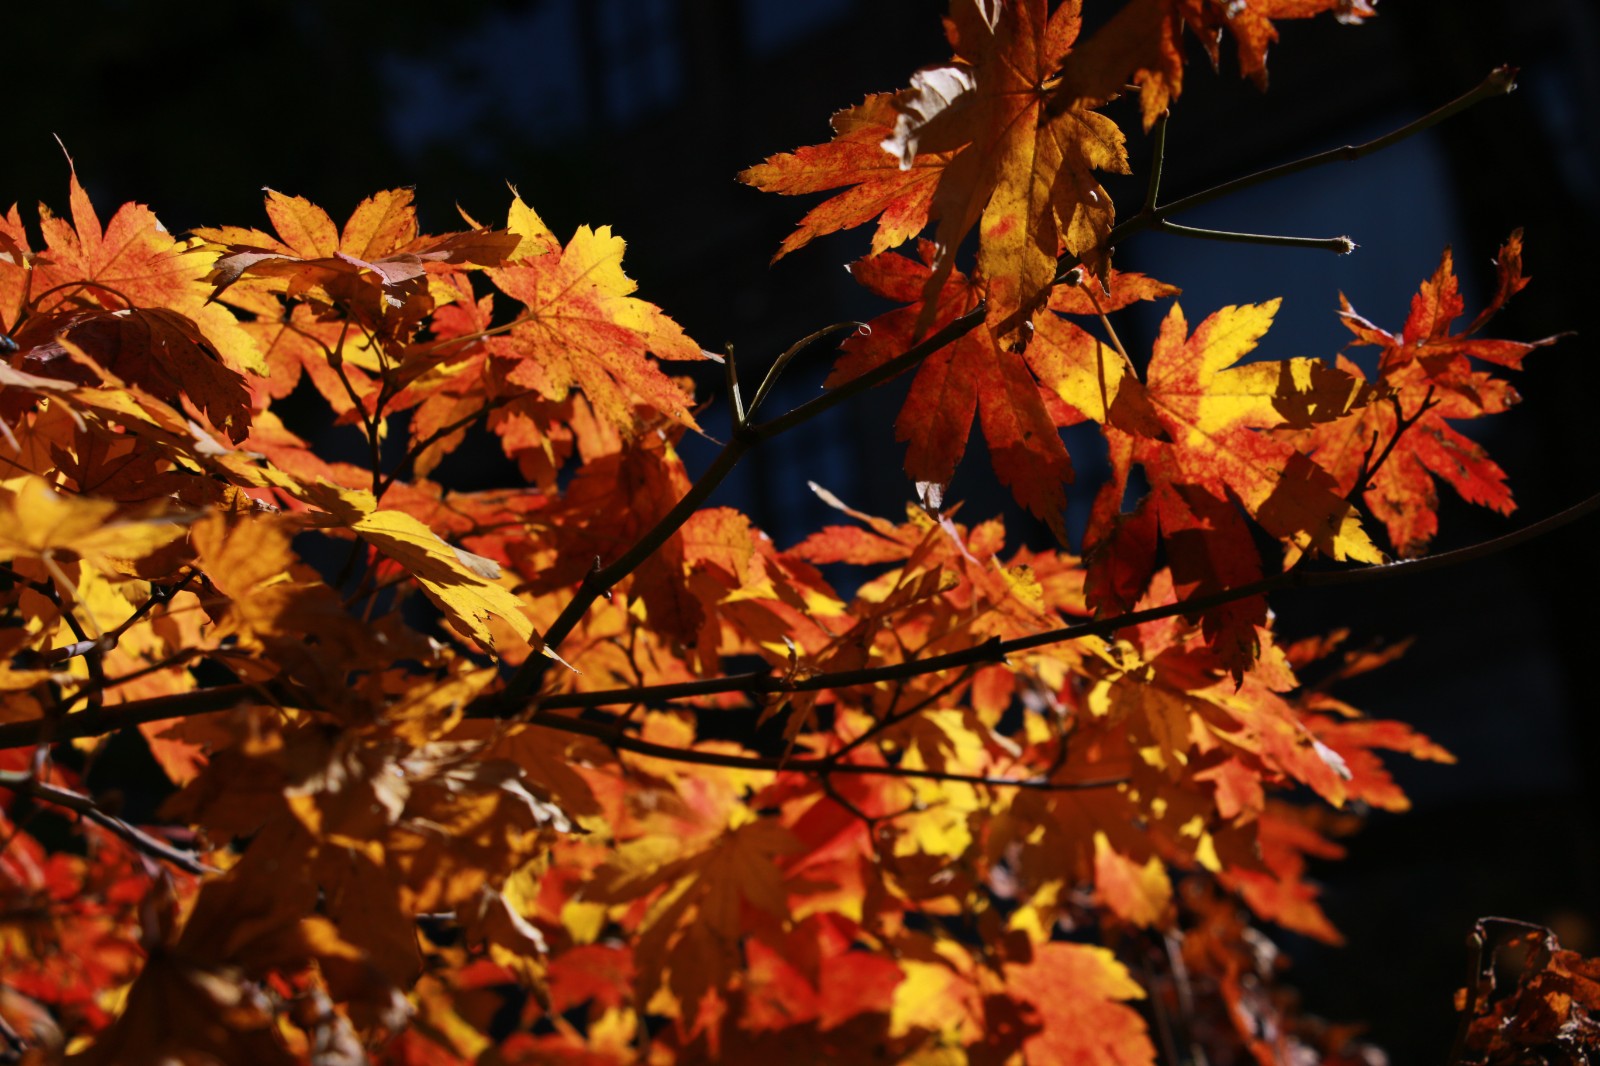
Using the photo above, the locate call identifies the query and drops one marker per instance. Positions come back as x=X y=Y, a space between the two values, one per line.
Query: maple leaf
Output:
x=974 y=144
x=377 y=266
x=1428 y=367
x=975 y=375
x=1143 y=43
x=134 y=262
x=583 y=328
x=1198 y=432
x=899 y=197
x=1211 y=409
x=461 y=584
x=1077 y=993
x=696 y=927
x=1279 y=892
x=40 y=521
x=156 y=349
x=1138 y=893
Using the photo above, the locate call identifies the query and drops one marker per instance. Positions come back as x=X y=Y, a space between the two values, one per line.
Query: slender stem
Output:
x=1500 y=81
x=109 y=640
x=177 y=658
x=827 y=765
x=1158 y=157
x=27 y=785
x=894 y=718
x=432 y=347
x=730 y=367
x=86 y=284
x=957 y=328
x=779 y=364
x=416 y=449
x=1116 y=342
x=93 y=656
x=1337 y=245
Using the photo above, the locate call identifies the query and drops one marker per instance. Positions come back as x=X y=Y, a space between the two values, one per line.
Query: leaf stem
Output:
x=1337 y=245
x=780 y=363
x=1401 y=424
x=1157 y=159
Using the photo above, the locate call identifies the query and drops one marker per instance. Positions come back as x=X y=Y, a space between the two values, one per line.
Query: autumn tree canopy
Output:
x=584 y=769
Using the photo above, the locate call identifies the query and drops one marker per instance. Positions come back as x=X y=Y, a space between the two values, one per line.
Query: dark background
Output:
x=638 y=113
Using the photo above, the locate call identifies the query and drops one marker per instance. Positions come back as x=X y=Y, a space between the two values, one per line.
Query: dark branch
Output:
x=92 y=722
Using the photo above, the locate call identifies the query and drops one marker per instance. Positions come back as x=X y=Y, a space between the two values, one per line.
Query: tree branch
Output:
x=608 y=733
x=93 y=722
x=995 y=651
x=513 y=700
x=24 y=783
x=1500 y=81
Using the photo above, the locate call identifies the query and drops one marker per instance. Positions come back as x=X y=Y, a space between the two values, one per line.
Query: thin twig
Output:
x=415 y=451
x=730 y=367
x=1500 y=81
x=1337 y=245
x=892 y=719
x=778 y=365
x=1158 y=155
x=826 y=765
x=24 y=783
x=165 y=663
x=158 y=595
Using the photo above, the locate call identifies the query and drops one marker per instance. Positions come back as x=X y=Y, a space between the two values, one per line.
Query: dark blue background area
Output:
x=638 y=114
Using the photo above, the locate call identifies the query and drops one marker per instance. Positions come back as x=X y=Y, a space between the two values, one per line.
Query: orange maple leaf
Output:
x=134 y=262
x=1429 y=369
x=974 y=144
x=376 y=267
x=1198 y=437
x=583 y=328
x=1143 y=43
x=1077 y=992
x=973 y=376
x=899 y=197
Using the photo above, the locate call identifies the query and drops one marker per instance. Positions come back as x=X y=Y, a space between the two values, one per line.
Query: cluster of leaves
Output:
x=461 y=791
x=1551 y=1012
